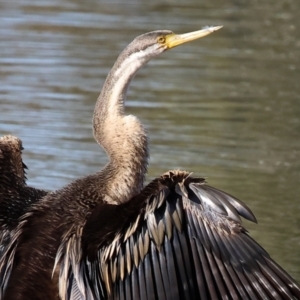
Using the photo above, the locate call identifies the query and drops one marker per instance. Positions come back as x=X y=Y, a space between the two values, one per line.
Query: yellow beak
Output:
x=173 y=40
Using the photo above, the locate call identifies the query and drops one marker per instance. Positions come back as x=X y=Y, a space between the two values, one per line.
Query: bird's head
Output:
x=153 y=43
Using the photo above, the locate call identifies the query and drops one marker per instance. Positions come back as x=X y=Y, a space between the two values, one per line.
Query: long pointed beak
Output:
x=173 y=40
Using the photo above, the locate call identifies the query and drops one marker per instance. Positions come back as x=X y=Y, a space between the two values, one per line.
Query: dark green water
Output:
x=226 y=107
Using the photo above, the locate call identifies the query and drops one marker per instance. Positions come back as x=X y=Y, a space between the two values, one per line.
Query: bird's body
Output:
x=15 y=196
x=104 y=236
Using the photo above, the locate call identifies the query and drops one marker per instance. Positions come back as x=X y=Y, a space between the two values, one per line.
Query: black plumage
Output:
x=208 y=256
x=15 y=196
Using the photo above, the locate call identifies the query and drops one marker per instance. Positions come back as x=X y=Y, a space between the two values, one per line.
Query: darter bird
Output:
x=106 y=236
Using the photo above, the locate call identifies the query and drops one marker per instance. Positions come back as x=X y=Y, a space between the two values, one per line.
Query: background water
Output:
x=226 y=107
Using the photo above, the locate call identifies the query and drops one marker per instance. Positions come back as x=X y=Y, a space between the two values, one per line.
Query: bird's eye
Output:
x=161 y=40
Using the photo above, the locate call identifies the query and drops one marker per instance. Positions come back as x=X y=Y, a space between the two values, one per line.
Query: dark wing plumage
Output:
x=15 y=195
x=178 y=239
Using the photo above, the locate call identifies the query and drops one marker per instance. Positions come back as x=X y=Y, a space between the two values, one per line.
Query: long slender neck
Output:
x=123 y=137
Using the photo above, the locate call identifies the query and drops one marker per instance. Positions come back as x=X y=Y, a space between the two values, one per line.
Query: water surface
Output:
x=226 y=107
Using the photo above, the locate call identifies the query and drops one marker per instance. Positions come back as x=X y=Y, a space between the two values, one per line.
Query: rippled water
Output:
x=226 y=107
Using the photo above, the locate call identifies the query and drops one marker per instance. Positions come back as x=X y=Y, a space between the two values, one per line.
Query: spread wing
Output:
x=15 y=199
x=178 y=239
x=15 y=195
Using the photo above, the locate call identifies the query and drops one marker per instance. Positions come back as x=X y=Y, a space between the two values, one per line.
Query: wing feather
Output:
x=286 y=278
x=160 y=281
x=127 y=285
x=142 y=281
x=178 y=239
x=135 y=284
x=233 y=282
x=208 y=276
x=120 y=293
x=149 y=274
x=240 y=206
x=174 y=292
x=218 y=269
x=181 y=267
x=163 y=269
x=200 y=281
